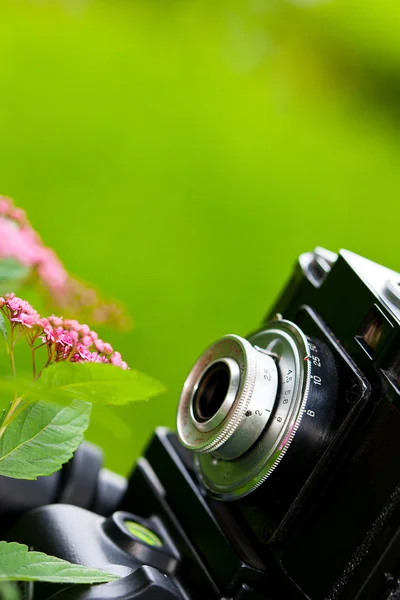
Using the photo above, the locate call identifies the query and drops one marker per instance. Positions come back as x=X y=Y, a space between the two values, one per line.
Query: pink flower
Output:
x=14 y=243
x=19 y=241
x=74 y=335
x=15 y=304
x=99 y=345
x=19 y=215
x=25 y=319
x=19 y=311
x=97 y=358
x=55 y=321
x=50 y=268
x=66 y=339
x=87 y=341
x=116 y=359
x=47 y=330
x=83 y=351
x=5 y=204
x=72 y=324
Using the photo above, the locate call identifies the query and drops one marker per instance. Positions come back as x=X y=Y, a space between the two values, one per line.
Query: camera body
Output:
x=284 y=479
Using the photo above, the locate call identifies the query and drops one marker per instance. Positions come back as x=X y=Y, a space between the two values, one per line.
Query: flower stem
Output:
x=33 y=362
x=16 y=401
x=10 y=350
x=8 y=419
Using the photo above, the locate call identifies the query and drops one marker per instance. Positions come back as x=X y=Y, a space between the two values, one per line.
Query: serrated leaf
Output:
x=3 y=327
x=41 y=438
x=19 y=564
x=98 y=383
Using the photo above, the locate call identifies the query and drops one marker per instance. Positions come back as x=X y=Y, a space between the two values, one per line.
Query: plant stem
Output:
x=33 y=362
x=8 y=419
x=16 y=400
x=11 y=353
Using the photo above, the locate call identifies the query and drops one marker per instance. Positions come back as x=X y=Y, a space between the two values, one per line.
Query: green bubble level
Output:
x=143 y=534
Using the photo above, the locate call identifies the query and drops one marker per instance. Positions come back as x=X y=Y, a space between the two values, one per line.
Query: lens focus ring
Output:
x=232 y=384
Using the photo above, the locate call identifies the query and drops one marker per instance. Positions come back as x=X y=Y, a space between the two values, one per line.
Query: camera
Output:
x=283 y=479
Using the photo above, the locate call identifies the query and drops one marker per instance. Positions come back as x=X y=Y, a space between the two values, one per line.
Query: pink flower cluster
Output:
x=19 y=241
x=65 y=339
x=19 y=311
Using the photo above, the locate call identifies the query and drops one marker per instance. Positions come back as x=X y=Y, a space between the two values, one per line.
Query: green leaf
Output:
x=11 y=387
x=11 y=271
x=110 y=423
x=9 y=591
x=97 y=383
x=18 y=564
x=3 y=327
x=41 y=438
x=3 y=414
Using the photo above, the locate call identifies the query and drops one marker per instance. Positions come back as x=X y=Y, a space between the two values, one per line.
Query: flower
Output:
x=65 y=339
x=19 y=311
x=19 y=241
x=25 y=319
x=107 y=349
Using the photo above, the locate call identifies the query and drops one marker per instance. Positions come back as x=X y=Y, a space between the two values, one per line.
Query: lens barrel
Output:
x=227 y=398
x=243 y=402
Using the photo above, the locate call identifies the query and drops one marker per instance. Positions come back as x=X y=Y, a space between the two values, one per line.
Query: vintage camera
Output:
x=283 y=481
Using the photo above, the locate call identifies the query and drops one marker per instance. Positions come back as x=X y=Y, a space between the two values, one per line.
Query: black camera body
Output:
x=284 y=482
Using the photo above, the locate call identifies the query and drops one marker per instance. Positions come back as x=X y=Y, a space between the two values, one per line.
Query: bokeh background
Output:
x=181 y=154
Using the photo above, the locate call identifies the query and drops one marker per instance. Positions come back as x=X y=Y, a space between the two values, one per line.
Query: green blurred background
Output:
x=181 y=154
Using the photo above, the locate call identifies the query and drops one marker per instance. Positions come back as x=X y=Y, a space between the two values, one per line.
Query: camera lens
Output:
x=245 y=400
x=227 y=398
x=211 y=391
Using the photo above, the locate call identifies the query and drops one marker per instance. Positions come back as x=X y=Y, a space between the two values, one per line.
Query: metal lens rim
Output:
x=190 y=434
x=224 y=409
